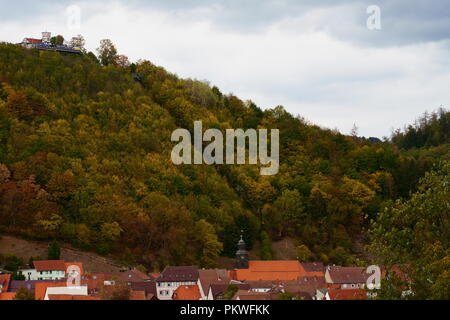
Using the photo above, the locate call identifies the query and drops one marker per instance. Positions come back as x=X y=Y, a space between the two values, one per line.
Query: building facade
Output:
x=174 y=277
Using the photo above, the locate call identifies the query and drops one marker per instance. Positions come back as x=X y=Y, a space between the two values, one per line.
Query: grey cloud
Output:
x=404 y=21
x=377 y=79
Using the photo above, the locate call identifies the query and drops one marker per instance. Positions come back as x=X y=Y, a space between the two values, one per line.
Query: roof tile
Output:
x=187 y=293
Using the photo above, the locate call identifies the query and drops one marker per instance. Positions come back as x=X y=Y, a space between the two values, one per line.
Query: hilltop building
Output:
x=45 y=44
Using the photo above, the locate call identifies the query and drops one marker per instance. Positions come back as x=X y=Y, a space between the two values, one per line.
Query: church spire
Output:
x=242 y=254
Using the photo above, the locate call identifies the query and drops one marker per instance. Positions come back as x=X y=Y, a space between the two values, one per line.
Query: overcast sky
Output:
x=317 y=58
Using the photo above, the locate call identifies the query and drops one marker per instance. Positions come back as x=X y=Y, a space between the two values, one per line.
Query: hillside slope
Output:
x=85 y=158
x=25 y=249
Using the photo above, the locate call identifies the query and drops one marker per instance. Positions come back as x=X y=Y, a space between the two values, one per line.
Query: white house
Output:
x=346 y=277
x=49 y=270
x=73 y=291
x=173 y=277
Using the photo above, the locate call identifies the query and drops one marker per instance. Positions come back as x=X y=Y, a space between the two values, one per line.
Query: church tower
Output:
x=46 y=37
x=242 y=255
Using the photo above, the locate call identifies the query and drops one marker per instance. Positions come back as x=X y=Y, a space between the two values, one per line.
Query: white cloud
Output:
x=294 y=61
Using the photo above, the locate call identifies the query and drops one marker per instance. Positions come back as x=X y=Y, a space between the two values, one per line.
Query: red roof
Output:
x=187 y=293
x=49 y=265
x=347 y=275
x=32 y=41
x=137 y=295
x=4 y=282
x=155 y=275
x=94 y=281
x=133 y=275
x=270 y=271
x=397 y=269
x=140 y=274
x=41 y=288
x=179 y=274
x=347 y=294
x=212 y=276
x=7 y=296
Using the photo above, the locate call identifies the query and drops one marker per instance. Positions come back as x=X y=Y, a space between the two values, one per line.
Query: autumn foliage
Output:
x=85 y=159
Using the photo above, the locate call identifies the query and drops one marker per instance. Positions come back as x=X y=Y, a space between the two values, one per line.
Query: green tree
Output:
x=57 y=40
x=415 y=232
x=265 y=251
x=54 y=251
x=286 y=296
x=287 y=213
x=110 y=231
x=230 y=292
x=78 y=42
x=18 y=276
x=303 y=253
x=392 y=287
x=211 y=247
x=11 y=262
x=107 y=52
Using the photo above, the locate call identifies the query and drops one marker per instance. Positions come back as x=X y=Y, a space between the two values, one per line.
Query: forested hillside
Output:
x=85 y=158
x=430 y=130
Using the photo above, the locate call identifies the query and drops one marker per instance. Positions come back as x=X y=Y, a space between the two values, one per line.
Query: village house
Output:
x=129 y=277
x=269 y=271
x=173 y=277
x=305 y=287
x=50 y=270
x=147 y=287
x=66 y=290
x=44 y=289
x=209 y=277
x=346 y=277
